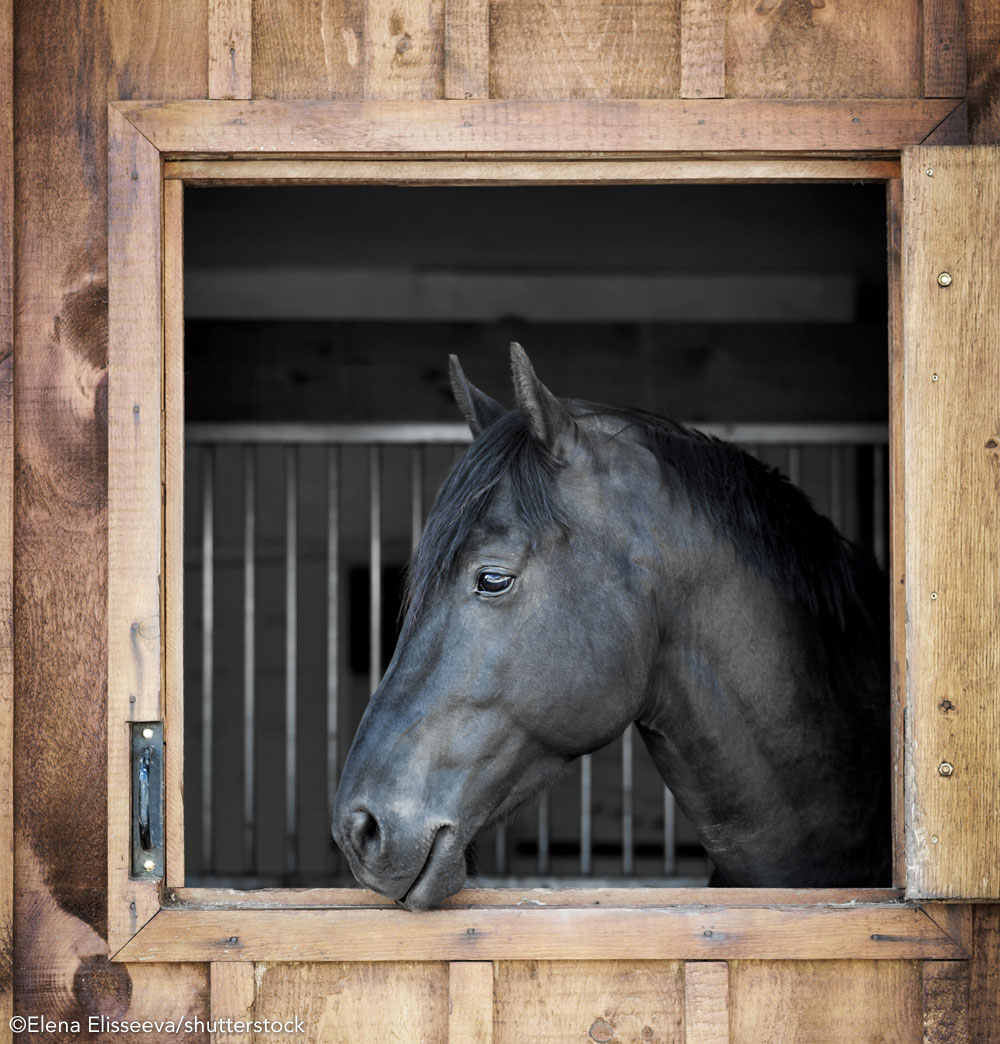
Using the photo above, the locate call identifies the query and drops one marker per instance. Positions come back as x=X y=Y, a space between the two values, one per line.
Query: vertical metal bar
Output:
x=291 y=653
x=543 y=833
x=249 y=602
x=795 y=464
x=416 y=495
x=332 y=627
x=627 y=861
x=375 y=568
x=837 y=486
x=207 y=649
x=879 y=454
x=586 y=800
x=669 y=833
x=500 y=848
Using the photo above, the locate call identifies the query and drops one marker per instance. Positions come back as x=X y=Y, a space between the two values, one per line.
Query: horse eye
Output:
x=493 y=583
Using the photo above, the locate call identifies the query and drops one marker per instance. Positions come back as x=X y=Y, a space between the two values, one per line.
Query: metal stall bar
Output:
x=291 y=654
x=669 y=833
x=879 y=476
x=795 y=464
x=249 y=637
x=627 y=802
x=375 y=569
x=586 y=826
x=544 y=810
x=416 y=495
x=332 y=628
x=207 y=648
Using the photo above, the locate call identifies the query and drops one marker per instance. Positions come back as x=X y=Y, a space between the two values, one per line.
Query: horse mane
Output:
x=771 y=524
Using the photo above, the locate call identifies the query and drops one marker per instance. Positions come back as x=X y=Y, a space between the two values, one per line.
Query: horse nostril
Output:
x=365 y=835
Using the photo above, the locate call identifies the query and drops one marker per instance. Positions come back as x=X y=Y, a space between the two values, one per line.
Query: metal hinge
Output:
x=147 y=799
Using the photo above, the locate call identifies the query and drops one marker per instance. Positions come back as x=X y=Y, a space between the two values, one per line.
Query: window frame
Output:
x=155 y=149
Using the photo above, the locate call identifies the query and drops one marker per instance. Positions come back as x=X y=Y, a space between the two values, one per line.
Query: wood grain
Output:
x=233 y=989
x=351 y=49
x=134 y=495
x=982 y=51
x=173 y=529
x=847 y=1002
x=706 y=1002
x=470 y=1002
x=358 y=1003
x=229 y=48
x=944 y=49
x=466 y=49
x=475 y=126
x=701 y=933
x=815 y=49
x=984 y=986
x=946 y=1002
x=538 y=172
x=703 y=48
x=585 y=49
x=550 y=1002
x=952 y=467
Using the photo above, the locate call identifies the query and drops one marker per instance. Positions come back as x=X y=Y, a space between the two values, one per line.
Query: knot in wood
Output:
x=602 y=1031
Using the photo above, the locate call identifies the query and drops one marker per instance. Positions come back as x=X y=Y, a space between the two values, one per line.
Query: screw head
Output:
x=147 y=733
x=929 y=172
x=946 y=768
x=944 y=279
x=933 y=596
x=934 y=840
x=934 y=377
x=149 y=865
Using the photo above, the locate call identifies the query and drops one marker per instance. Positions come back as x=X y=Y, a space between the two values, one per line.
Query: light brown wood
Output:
x=955 y=919
x=706 y=1002
x=702 y=933
x=703 y=48
x=718 y=170
x=233 y=989
x=952 y=465
x=173 y=543
x=356 y=1003
x=550 y=1002
x=6 y=512
x=470 y=1002
x=134 y=516
x=897 y=524
x=466 y=49
x=585 y=49
x=982 y=51
x=350 y=49
x=527 y=898
x=229 y=48
x=847 y=1002
x=946 y=1002
x=816 y=49
x=477 y=126
x=944 y=49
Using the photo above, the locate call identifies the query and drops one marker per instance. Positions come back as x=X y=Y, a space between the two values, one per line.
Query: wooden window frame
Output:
x=155 y=148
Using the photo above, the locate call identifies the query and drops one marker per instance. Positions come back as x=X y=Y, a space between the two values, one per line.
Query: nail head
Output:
x=944 y=279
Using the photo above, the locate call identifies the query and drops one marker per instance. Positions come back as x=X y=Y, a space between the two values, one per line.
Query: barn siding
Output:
x=69 y=60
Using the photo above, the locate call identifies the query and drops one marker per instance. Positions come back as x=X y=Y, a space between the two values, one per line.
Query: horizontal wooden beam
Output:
x=896 y=932
x=248 y=128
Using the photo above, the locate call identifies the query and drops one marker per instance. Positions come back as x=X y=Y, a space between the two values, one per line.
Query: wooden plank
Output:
x=944 y=49
x=953 y=130
x=229 y=48
x=946 y=1002
x=355 y=1002
x=847 y=1001
x=470 y=1002
x=173 y=543
x=134 y=516
x=550 y=1002
x=466 y=49
x=955 y=919
x=982 y=50
x=585 y=49
x=952 y=463
x=353 y=49
x=552 y=898
x=897 y=523
x=6 y=512
x=701 y=933
x=202 y=128
x=156 y=50
x=706 y=1002
x=984 y=986
x=703 y=48
x=824 y=50
x=537 y=172
x=233 y=989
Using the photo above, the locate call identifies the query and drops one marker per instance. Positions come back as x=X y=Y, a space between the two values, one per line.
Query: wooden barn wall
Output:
x=67 y=61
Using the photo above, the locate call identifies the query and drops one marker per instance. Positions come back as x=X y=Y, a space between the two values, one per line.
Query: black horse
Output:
x=585 y=567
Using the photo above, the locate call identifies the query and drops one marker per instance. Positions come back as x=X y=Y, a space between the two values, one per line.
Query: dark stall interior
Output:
x=763 y=306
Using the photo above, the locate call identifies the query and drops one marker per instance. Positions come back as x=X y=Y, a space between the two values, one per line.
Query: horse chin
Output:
x=442 y=874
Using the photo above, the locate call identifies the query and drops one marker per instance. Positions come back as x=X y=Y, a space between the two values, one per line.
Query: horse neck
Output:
x=761 y=753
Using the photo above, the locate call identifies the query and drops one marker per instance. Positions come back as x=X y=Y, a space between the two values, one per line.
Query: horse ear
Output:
x=548 y=420
x=476 y=406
